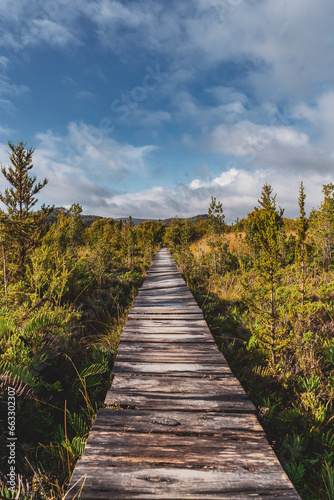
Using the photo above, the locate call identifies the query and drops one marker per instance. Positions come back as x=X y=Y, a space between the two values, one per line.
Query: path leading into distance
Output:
x=184 y=427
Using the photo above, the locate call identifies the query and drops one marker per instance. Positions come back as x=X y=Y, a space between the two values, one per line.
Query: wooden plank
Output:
x=162 y=338
x=157 y=326
x=171 y=323
x=179 y=393
x=176 y=450
x=177 y=422
x=173 y=348
x=163 y=286
x=144 y=482
x=154 y=315
x=215 y=385
x=231 y=401
x=171 y=368
x=170 y=292
x=165 y=302
x=168 y=357
x=183 y=311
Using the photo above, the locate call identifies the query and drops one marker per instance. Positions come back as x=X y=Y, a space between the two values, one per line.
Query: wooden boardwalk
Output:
x=176 y=423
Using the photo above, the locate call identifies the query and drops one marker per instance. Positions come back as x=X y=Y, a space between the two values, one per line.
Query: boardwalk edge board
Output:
x=176 y=424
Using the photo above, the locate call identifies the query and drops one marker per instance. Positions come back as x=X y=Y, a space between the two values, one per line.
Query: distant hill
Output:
x=135 y=220
x=89 y=219
x=190 y=220
x=167 y=222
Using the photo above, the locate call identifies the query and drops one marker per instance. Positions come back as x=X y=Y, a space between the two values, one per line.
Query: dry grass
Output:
x=236 y=242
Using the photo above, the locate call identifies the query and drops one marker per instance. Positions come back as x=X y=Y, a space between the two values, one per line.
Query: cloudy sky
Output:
x=148 y=108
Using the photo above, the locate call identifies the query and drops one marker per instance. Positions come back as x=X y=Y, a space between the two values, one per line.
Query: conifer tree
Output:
x=215 y=223
x=264 y=227
x=24 y=226
x=301 y=238
x=322 y=227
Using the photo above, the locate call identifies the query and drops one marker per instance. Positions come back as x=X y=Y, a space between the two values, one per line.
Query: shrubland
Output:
x=266 y=287
x=64 y=293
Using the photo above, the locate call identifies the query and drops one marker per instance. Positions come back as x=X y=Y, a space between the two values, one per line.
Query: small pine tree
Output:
x=301 y=252
x=216 y=226
x=263 y=232
x=24 y=226
x=322 y=227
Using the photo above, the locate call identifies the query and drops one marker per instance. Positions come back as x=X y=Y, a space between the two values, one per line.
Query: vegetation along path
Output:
x=176 y=423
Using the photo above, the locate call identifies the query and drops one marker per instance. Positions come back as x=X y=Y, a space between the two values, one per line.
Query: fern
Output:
x=6 y=325
x=20 y=371
x=327 y=440
x=21 y=389
x=77 y=423
x=78 y=446
x=43 y=320
x=295 y=472
x=96 y=369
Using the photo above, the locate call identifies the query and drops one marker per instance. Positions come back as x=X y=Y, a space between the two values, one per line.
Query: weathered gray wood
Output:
x=177 y=424
x=184 y=369
x=228 y=402
x=165 y=316
x=210 y=359
x=179 y=393
x=174 y=323
x=183 y=311
x=161 y=338
x=200 y=386
x=175 y=348
x=176 y=450
x=143 y=482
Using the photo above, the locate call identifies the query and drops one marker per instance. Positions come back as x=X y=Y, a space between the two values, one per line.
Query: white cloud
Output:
x=247 y=138
x=46 y=31
x=237 y=189
x=85 y=165
x=85 y=95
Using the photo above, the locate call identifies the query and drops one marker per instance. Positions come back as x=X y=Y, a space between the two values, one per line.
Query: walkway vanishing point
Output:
x=186 y=428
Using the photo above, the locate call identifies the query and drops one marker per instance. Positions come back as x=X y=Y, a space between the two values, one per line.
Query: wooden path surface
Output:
x=184 y=427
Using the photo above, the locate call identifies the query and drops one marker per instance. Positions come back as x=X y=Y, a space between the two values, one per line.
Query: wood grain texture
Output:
x=176 y=424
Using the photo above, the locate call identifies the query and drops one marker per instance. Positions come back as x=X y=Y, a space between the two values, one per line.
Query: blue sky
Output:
x=148 y=108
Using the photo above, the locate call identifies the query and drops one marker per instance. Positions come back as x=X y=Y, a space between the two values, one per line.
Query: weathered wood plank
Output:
x=214 y=385
x=143 y=482
x=226 y=403
x=181 y=451
x=177 y=422
x=185 y=369
x=185 y=304
x=161 y=337
x=183 y=311
x=168 y=357
x=173 y=323
x=165 y=316
x=174 y=348
x=172 y=292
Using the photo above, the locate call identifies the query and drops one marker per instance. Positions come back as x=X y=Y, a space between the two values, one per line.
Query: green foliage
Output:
x=274 y=323
x=59 y=331
x=322 y=228
x=263 y=234
x=216 y=226
x=21 y=229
